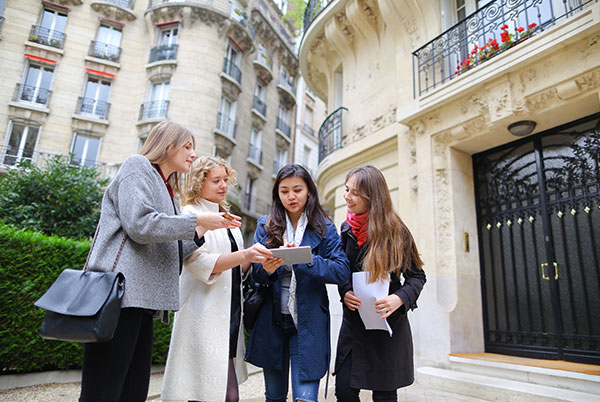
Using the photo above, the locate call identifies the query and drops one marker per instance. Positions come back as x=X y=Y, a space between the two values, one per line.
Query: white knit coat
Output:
x=198 y=359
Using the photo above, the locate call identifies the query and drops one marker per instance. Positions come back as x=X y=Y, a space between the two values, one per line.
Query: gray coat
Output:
x=137 y=203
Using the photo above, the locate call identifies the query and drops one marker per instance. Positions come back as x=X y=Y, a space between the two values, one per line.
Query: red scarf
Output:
x=360 y=226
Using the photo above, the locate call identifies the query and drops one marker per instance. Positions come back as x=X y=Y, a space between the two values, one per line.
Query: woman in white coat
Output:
x=207 y=335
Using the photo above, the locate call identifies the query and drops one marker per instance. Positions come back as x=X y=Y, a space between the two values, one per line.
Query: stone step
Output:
x=541 y=372
x=493 y=388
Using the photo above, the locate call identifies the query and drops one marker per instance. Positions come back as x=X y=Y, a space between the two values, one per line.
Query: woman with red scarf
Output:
x=376 y=241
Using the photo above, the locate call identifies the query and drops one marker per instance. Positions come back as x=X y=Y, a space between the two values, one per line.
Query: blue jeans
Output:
x=276 y=381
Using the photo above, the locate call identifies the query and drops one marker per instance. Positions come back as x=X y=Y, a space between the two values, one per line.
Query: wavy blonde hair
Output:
x=194 y=181
x=164 y=140
x=392 y=247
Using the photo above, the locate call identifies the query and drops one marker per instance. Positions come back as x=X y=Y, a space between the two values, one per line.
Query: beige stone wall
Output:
x=424 y=144
x=196 y=79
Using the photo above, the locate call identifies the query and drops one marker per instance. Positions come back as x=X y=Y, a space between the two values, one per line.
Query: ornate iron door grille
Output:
x=538 y=214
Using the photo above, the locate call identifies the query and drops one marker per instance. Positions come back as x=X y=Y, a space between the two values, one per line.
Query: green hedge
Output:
x=29 y=264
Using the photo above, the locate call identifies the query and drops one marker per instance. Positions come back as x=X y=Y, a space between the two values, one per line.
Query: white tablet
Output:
x=293 y=255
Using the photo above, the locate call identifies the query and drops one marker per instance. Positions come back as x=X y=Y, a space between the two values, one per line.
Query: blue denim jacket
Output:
x=330 y=265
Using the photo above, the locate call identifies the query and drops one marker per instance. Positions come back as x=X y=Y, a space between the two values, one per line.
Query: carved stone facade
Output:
x=171 y=65
x=358 y=54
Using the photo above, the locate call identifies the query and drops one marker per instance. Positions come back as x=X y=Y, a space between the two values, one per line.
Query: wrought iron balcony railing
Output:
x=130 y=4
x=283 y=127
x=93 y=107
x=153 y=109
x=48 y=37
x=30 y=93
x=226 y=125
x=165 y=52
x=489 y=31
x=284 y=83
x=259 y=105
x=255 y=154
x=313 y=8
x=232 y=70
x=105 y=51
x=330 y=133
x=263 y=58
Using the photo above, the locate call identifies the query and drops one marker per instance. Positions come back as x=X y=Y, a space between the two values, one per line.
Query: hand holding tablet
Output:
x=293 y=255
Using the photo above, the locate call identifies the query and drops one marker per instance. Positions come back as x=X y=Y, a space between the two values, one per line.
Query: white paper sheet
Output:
x=368 y=293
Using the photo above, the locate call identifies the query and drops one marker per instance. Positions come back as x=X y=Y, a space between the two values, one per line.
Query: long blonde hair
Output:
x=164 y=140
x=392 y=247
x=194 y=182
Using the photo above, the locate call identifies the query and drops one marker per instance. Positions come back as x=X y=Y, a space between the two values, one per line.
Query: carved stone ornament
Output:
x=113 y=11
x=542 y=100
x=242 y=37
x=224 y=145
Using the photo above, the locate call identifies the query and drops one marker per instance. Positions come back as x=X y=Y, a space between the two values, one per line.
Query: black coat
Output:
x=379 y=362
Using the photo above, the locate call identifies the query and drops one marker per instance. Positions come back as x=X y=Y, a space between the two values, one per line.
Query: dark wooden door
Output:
x=538 y=213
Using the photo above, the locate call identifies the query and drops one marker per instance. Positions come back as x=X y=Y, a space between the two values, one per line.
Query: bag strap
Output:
x=92 y=247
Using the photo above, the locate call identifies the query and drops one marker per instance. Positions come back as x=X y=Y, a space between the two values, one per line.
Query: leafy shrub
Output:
x=59 y=199
x=29 y=264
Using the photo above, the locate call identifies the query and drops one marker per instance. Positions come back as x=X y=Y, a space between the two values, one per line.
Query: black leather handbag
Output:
x=83 y=306
x=254 y=295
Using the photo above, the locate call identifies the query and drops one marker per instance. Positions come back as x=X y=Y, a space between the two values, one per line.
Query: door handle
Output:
x=544 y=273
x=544 y=276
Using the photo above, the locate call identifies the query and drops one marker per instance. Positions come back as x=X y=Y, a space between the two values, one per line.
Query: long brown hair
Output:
x=392 y=247
x=316 y=216
x=164 y=140
x=194 y=181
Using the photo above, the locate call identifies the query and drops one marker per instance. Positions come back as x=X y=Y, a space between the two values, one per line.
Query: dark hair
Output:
x=276 y=223
x=391 y=245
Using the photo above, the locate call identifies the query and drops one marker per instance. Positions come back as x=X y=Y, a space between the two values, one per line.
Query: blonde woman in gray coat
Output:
x=140 y=216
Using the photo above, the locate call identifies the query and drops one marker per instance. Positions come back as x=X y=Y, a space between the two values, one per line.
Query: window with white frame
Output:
x=37 y=83
x=226 y=118
x=308 y=119
x=108 y=42
x=85 y=149
x=53 y=20
x=168 y=36
x=282 y=123
x=285 y=79
x=157 y=100
x=254 y=148
x=233 y=54
x=281 y=159
x=19 y=143
x=306 y=157
x=259 y=99
x=95 y=97
x=249 y=193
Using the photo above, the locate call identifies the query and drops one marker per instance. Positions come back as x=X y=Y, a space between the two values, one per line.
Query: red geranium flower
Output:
x=531 y=26
x=505 y=26
x=504 y=36
x=520 y=29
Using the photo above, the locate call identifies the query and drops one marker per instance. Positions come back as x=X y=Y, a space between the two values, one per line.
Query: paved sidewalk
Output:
x=250 y=391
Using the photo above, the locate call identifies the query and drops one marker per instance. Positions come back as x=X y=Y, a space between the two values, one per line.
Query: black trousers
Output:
x=345 y=393
x=119 y=370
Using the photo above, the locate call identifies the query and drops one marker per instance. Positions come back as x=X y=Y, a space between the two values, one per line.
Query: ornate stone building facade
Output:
x=429 y=92
x=91 y=78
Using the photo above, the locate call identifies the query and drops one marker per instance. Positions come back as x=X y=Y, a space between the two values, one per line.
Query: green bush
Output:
x=29 y=264
x=59 y=199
